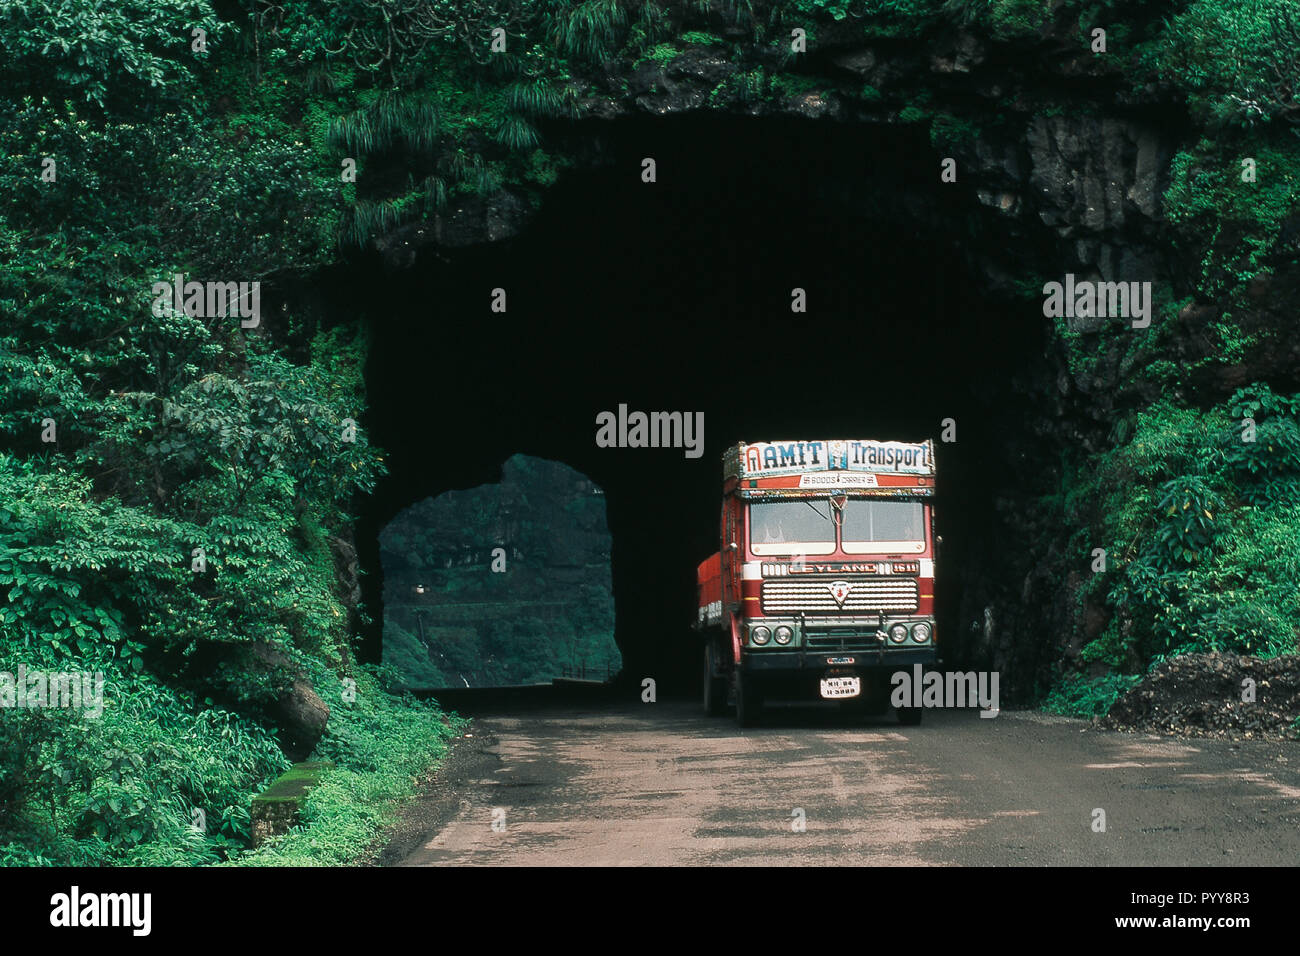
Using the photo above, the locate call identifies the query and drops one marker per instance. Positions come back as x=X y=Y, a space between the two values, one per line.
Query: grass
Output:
x=380 y=746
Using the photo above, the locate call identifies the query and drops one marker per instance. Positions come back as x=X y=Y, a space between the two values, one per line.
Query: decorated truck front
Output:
x=824 y=583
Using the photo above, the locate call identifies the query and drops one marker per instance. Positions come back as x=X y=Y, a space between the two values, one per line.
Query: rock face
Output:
x=295 y=707
x=1059 y=161
x=467 y=221
x=265 y=680
x=501 y=584
x=1074 y=174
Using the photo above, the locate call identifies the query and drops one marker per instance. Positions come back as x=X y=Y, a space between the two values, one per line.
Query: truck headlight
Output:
x=921 y=633
x=760 y=635
x=898 y=633
x=784 y=635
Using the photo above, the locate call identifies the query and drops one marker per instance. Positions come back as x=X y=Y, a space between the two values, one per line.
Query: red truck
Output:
x=824 y=583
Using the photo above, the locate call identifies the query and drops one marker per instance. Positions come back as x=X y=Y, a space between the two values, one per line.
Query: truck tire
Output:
x=749 y=701
x=715 y=688
x=910 y=716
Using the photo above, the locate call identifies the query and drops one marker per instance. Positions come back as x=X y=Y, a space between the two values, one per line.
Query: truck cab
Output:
x=823 y=585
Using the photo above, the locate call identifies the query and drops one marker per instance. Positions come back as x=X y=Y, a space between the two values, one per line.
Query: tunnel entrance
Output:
x=676 y=296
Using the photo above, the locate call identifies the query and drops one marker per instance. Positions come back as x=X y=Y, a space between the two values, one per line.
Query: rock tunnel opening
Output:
x=676 y=296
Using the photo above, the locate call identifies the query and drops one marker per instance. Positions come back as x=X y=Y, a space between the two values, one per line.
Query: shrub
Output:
x=1078 y=696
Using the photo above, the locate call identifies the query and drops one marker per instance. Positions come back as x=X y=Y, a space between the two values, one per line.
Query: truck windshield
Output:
x=873 y=526
x=791 y=527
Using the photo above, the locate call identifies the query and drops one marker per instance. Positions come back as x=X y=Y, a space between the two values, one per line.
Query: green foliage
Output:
x=756 y=85
x=215 y=466
x=1004 y=19
x=540 y=98
x=1201 y=530
x=1078 y=696
x=175 y=432
x=117 y=54
x=450 y=620
x=390 y=119
x=858 y=9
x=948 y=130
x=878 y=18
x=543 y=168
x=1237 y=59
x=123 y=786
x=1265 y=466
x=1187 y=528
x=339 y=354
x=515 y=132
x=663 y=54
x=746 y=87
x=1234 y=227
x=792 y=84
x=394 y=36
x=379 y=744
x=589 y=29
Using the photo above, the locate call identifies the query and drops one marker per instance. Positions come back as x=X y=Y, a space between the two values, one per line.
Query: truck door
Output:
x=730 y=555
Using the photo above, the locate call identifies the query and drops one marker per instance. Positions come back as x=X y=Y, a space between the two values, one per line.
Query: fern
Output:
x=740 y=11
x=390 y=119
x=507 y=64
x=655 y=22
x=516 y=133
x=319 y=79
x=435 y=192
x=590 y=29
x=369 y=218
x=540 y=98
x=484 y=180
x=458 y=165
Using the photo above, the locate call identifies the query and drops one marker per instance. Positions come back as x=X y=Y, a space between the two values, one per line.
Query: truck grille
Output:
x=839 y=639
x=866 y=595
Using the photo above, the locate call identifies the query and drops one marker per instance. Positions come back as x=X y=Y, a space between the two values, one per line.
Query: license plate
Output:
x=836 y=687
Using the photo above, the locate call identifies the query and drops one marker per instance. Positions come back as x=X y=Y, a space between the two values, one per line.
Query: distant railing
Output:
x=583 y=672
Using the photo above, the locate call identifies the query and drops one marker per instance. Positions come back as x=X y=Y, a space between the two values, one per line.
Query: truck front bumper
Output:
x=791 y=662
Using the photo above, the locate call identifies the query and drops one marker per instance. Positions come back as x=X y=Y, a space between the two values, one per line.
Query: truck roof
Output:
x=862 y=466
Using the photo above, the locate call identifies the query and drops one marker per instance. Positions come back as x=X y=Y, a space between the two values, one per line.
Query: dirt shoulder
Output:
x=471 y=758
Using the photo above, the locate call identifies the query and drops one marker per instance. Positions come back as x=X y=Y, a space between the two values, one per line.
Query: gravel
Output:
x=1200 y=695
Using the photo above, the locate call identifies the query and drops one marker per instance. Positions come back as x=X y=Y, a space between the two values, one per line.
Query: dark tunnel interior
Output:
x=676 y=296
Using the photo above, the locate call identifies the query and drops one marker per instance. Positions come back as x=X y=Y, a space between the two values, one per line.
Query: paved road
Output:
x=660 y=784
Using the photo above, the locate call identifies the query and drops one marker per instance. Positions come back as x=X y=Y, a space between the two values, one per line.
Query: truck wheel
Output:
x=910 y=716
x=749 y=701
x=715 y=688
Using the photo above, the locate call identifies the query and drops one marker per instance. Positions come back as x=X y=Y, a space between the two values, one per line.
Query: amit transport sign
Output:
x=868 y=458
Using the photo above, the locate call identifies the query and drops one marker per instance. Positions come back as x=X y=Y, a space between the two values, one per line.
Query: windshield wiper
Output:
x=814 y=508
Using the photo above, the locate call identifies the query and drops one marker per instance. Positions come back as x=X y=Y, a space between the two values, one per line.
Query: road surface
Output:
x=660 y=784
